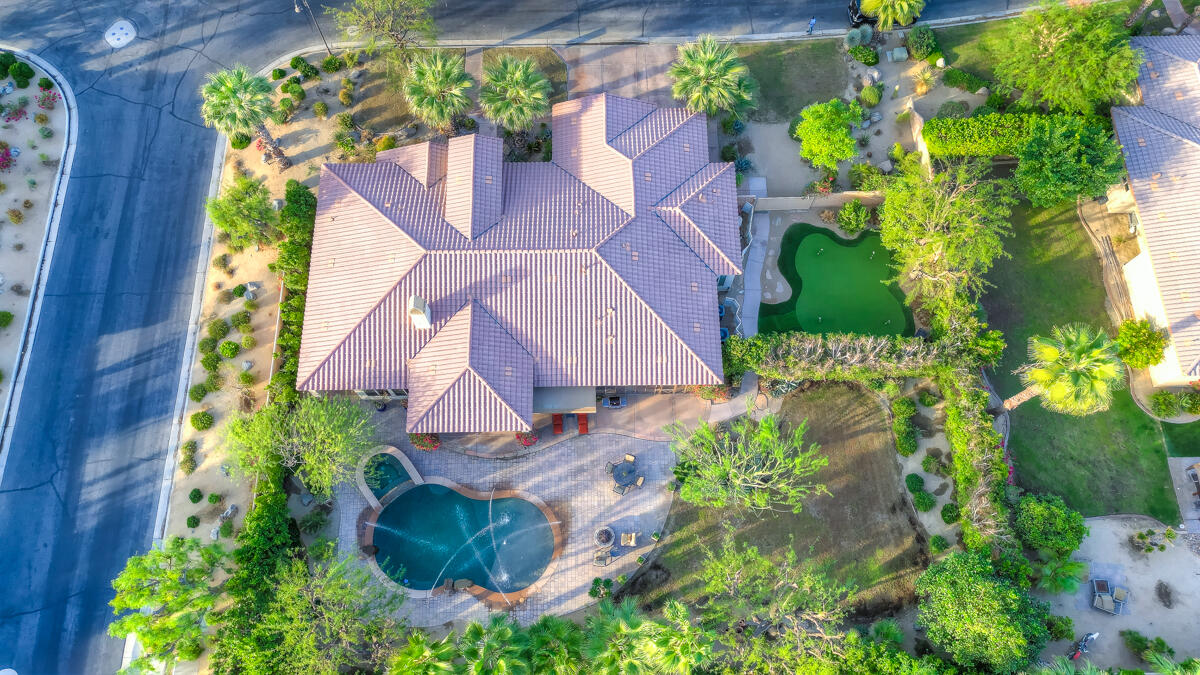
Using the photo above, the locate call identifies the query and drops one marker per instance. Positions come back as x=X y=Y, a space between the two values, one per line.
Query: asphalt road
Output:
x=80 y=487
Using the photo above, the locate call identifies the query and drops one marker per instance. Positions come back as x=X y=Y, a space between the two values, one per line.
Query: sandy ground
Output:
x=21 y=244
x=931 y=440
x=1107 y=551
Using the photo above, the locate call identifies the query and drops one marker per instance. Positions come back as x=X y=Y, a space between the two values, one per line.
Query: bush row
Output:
x=983 y=136
x=296 y=221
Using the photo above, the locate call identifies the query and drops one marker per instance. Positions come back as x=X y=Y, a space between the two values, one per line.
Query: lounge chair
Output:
x=558 y=424
x=1100 y=586
x=1104 y=603
x=1120 y=596
x=582 y=417
x=602 y=558
x=608 y=468
x=630 y=458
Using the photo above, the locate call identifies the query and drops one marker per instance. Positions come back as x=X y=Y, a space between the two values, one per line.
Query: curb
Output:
x=13 y=399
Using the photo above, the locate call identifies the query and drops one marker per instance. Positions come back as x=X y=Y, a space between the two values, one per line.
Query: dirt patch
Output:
x=864 y=532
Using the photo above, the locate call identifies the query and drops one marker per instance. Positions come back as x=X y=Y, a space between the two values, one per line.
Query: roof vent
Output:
x=418 y=313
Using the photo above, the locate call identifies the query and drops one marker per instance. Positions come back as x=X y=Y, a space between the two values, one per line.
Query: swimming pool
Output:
x=838 y=286
x=384 y=472
x=430 y=533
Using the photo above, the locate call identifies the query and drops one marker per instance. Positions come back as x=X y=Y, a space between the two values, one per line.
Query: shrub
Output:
x=732 y=126
x=227 y=529
x=1141 y=344
x=1190 y=402
x=21 y=73
x=193 y=522
x=321 y=109
x=937 y=544
x=385 y=143
x=7 y=59
x=871 y=95
x=248 y=342
x=906 y=437
x=195 y=495
x=218 y=328
x=961 y=79
x=225 y=296
x=214 y=381
x=866 y=177
x=1143 y=646
x=1060 y=627
x=6 y=319
x=346 y=97
x=1046 y=523
x=207 y=345
x=1164 y=403
x=742 y=164
x=953 y=109
x=291 y=80
x=427 y=442
x=729 y=152
x=286 y=106
x=931 y=464
x=230 y=349
x=197 y=392
x=240 y=318
x=950 y=513
x=313 y=522
x=239 y=141
x=983 y=110
x=307 y=70
x=344 y=141
x=245 y=329
x=923 y=501
x=296 y=61
x=927 y=398
x=187 y=457
x=853 y=38
x=202 y=420
x=45 y=132
x=332 y=64
x=345 y=121
x=246 y=378
x=211 y=362
x=921 y=42
x=250 y=305
x=277 y=74
x=15 y=216
x=914 y=482
x=934 y=57
x=865 y=55
x=214 y=498
x=222 y=261
x=41 y=118
x=853 y=217
x=296 y=92
x=239 y=291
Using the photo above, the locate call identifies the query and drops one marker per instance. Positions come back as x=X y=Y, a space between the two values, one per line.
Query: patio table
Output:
x=625 y=473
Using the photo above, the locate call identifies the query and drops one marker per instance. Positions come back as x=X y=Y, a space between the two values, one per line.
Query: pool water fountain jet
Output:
x=486 y=528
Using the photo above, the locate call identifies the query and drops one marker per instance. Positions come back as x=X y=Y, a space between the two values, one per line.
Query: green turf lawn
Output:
x=1183 y=440
x=973 y=47
x=1110 y=462
x=792 y=75
x=546 y=60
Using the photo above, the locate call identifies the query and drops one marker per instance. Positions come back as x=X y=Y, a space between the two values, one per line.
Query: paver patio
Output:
x=569 y=476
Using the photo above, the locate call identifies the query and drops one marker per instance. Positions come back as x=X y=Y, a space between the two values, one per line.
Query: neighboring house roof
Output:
x=595 y=269
x=1161 y=143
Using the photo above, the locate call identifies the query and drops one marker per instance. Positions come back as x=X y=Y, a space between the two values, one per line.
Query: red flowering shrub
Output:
x=526 y=438
x=426 y=442
x=15 y=114
x=48 y=99
x=6 y=158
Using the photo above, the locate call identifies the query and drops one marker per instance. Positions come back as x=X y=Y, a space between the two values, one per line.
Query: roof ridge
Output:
x=1154 y=124
x=607 y=96
x=507 y=332
x=675 y=127
x=374 y=207
x=725 y=166
x=492 y=389
x=700 y=232
x=654 y=313
x=359 y=323
x=441 y=395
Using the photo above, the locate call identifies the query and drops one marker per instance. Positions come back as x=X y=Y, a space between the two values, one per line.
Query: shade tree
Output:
x=1064 y=158
x=243 y=213
x=823 y=130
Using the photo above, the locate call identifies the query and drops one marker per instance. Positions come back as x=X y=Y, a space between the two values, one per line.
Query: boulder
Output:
x=250 y=295
x=941 y=62
x=215 y=533
x=277 y=204
x=1168 y=31
x=247 y=365
x=873 y=73
x=983 y=91
x=229 y=512
x=1155 y=13
x=886 y=166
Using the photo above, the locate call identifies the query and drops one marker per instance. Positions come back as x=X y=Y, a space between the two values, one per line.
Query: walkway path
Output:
x=1176 y=12
x=570 y=478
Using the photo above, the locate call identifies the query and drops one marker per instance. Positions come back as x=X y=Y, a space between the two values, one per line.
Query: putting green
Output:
x=837 y=286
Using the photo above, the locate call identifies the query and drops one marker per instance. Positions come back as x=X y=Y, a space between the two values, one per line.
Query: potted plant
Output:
x=641 y=560
x=656 y=536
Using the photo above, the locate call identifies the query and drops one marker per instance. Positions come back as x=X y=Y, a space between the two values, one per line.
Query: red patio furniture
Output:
x=582 y=417
x=558 y=424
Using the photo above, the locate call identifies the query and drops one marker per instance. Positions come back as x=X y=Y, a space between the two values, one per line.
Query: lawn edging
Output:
x=49 y=239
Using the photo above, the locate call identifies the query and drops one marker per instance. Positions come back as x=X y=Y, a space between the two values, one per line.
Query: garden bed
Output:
x=865 y=532
x=26 y=198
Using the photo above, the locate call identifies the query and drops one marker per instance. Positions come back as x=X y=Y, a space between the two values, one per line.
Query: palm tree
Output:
x=619 y=640
x=1075 y=371
x=422 y=656
x=681 y=646
x=514 y=93
x=495 y=649
x=1059 y=574
x=236 y=102
x=1166 y=666
x=892 y=12
x=554 y=645
x=1061 y=665
x=709 y=77
x=436 y=87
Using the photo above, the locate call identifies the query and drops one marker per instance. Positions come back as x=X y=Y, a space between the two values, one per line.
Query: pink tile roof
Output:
x=596 y=269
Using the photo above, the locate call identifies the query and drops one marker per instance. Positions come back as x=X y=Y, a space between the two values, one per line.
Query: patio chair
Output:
x=558 y=424
x=621 y=489
x=1104 y=603
x=1120 y=596
x=583 y=428
x=630 y=458
x=608 y=468
x=640 y=481
x=1100 y=586
x=629 y=539
x=602 y=558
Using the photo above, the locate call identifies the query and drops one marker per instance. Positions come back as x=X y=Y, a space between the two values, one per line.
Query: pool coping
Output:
x=493 y=599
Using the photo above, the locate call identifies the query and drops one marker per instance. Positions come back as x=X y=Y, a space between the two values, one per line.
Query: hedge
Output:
x=982 y=136
x=961 y=79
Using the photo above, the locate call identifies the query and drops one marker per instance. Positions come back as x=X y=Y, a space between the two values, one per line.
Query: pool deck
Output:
x=569 y=478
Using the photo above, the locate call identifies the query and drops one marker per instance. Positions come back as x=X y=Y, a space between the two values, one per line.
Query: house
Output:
x=1161 y=143
x=486 y=291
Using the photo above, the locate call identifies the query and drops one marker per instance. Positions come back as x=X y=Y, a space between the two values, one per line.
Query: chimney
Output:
x=418 y=313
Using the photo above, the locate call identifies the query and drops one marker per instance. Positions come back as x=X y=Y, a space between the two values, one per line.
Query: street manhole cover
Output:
x=120 y=34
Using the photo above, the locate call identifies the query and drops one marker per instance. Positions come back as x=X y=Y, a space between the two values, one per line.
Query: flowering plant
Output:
x=526 y=438
x=48 y=99
x=426 y=442
x=6 y=158
x=13 y=114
